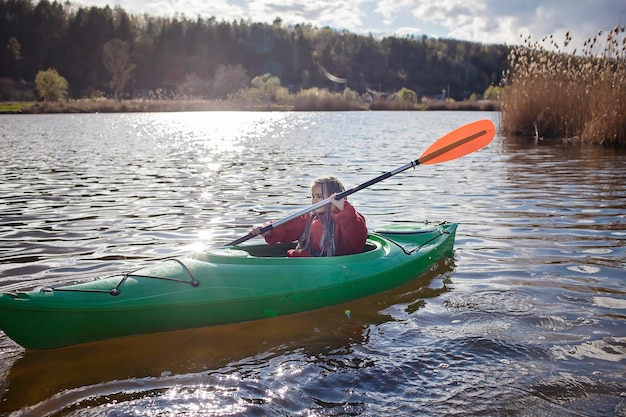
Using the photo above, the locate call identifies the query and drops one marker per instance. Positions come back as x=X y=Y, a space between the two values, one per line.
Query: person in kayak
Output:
x=331 y=230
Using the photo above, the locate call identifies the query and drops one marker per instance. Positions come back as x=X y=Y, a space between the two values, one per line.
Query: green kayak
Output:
x=221 y=285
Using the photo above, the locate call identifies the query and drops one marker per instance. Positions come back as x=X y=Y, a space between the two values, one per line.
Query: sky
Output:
x=485 y=21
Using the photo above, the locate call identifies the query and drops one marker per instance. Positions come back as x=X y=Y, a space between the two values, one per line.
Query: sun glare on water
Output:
x=217 y=131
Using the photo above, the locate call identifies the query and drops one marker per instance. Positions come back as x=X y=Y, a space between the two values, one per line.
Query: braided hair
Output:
x=330 y=185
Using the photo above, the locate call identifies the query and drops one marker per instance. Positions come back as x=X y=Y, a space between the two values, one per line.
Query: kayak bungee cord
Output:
x=116 y=291
x=417 y=248
x=195 y=283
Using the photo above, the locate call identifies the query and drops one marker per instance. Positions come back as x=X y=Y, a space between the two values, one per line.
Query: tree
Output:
x=167 y=49
x=407 y=95
x=15 y=47
x=193 y=87
x=493 y=93
x=228 y=79
x=269 y=87
x=50 y=85
x=117 y=61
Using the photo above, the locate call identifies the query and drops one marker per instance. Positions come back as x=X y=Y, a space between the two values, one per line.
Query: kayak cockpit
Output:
x=261 y=251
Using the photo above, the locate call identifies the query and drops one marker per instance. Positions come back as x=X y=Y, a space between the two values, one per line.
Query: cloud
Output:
x=389 y=8
x=345 y=14
x=220 y=9
x=407 y=32
x=498 y=21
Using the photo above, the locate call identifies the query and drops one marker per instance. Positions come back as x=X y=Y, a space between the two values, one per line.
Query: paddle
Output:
x=460 y=142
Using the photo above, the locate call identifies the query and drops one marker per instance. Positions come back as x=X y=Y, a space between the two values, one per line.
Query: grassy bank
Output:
x=577 y=97
x=324 y=103
x=15 y=107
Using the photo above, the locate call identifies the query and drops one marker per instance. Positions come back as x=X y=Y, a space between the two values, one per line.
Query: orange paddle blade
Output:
x=460 y=142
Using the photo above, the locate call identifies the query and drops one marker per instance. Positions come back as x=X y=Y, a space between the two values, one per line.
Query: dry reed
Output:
x=552 y=94
x=108 y=105
x=306 y=100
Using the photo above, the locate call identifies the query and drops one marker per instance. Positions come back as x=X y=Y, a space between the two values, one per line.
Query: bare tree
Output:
x=116 y=59
x=15 y=47
x=228 y=79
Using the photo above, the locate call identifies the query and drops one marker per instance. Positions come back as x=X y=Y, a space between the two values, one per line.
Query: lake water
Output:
x=528 y=318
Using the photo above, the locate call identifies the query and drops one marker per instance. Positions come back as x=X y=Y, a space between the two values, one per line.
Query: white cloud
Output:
x=388 y=8
x=407 y=31
x=221 y=9
x=346 y=14
x=502 y=21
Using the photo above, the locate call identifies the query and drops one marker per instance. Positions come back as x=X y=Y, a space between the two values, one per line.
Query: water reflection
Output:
x=186 y=357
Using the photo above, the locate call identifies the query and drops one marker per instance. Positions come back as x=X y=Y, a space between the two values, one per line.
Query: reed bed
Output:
x=109 y=105
x=549 y=93
x=316 y=99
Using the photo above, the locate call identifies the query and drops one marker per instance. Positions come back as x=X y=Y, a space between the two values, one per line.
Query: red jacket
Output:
x=350 y=232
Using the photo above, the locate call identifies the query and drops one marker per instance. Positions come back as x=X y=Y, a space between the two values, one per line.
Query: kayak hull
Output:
x=220 y=286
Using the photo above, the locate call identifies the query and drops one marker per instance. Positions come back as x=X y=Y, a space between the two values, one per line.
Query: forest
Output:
x=210 y=57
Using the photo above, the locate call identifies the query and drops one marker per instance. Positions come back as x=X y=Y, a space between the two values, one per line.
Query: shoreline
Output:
x=138 y=105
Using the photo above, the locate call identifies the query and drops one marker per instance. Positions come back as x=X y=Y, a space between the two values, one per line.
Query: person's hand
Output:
x=257 y=231
x=337 y=203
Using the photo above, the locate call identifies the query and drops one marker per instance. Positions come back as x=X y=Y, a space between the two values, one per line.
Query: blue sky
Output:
x=485 y=21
